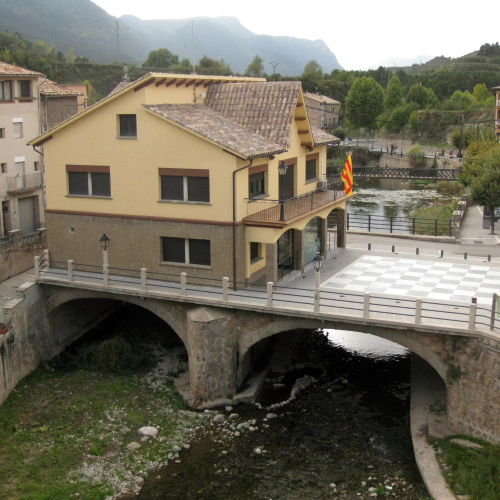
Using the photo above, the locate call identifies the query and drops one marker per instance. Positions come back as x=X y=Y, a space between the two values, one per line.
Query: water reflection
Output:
x=366 y=345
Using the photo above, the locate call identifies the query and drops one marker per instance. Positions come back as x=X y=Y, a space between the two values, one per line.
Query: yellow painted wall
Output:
x=258 y=265
x=134 y=164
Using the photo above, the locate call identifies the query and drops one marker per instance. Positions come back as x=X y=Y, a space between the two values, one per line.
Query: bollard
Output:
x=417 y=251
x=366 y=305
x=493 y=312
x=144 y=284
x=369 y=246
x=183 y=284
x=270 y=294
x=465 y=255
x=317 y=292
x=105 y=274
x=225 y=289
x=37 y=267
x=71 y=276
x=472 y=316
x=489 y=258
x=418 y=311
x=442 y=253
x=393 y=248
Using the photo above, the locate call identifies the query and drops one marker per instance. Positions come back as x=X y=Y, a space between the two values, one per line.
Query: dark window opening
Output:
x=311 y=170
x=128 y=126
x=256 y=184
x=6 y=91
x=199 y=252
x=78 y=183
x=101 y=184
x=174 y=250
x=172 y=187
x=254 y=251
x=198 y=189
x=24 y=88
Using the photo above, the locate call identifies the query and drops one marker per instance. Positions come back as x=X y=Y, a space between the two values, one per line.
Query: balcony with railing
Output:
x=281 y=212
x=24 y=183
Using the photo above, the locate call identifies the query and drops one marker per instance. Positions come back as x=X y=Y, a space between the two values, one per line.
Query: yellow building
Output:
x=181 y=172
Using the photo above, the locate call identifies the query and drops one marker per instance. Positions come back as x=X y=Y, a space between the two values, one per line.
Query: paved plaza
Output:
x=417 y=278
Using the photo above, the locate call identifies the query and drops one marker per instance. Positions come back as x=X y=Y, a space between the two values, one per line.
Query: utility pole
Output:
x=274 y=64
x=117 y=30
x=461 y=137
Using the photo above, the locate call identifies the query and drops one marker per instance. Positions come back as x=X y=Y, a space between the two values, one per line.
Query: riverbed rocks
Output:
x=148 y=431
x=218 y=419
x=133 y=446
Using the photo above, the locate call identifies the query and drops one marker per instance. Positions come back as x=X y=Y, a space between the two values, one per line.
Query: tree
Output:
x=481 y=92
x=256 y=67
x=416 y=156
x=208 y=66
x=419 y=94
x=481 y=172
x=393 y=94
x=364 y=102
x=161 y=58
x=70 y=58
x=311 y=76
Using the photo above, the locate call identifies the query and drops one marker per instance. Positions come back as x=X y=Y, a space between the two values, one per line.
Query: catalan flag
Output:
x=347 y=175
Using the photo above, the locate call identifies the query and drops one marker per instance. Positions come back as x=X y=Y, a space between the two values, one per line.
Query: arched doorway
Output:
x=312 y=239
x=336 y=227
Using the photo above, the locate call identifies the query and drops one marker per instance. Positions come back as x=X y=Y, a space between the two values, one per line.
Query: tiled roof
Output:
x=120 y=86
x=320 y=138
x=265 y=108
x=48 y=87
x=321 y=98
x=10 y=70
x=210 y=124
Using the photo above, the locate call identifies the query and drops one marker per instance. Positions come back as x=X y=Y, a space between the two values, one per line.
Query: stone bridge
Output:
x=221 y=336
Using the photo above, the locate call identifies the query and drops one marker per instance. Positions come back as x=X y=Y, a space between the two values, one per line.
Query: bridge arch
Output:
x=249 y=338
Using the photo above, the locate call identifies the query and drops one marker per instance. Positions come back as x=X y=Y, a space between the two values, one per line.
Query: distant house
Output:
x=182 y=172
x=20 y=165
x=323 y=111
x=57 y=103
x=83 y=90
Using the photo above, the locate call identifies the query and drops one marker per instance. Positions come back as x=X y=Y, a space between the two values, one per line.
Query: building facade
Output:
x=497 y=110
x=181 y=173
x=20 y=165
x=323 y=111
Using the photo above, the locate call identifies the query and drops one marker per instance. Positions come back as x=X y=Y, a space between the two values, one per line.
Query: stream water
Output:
x=348 y=426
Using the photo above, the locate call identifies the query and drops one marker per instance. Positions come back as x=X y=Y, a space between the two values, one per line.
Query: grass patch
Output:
x=65 y=428
x=471 y=472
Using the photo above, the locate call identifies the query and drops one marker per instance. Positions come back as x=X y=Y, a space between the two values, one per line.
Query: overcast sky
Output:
x=360 y=33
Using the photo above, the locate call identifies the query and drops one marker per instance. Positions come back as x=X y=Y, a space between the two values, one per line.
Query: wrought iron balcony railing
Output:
x=264 y=210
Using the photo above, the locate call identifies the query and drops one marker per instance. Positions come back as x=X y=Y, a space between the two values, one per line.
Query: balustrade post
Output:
x=493 y=311
x=183 y=284
x=270 y=292
x=472 y=316
x=37 y=267
x=144 y=283
x=225 y=289
x=418 y=311
x=413 y=227
x=390 y=229
x=366 y=305
x=369 y=222
x=105 y=274
x=71 y=276
x=435 y=227
x=317 y=292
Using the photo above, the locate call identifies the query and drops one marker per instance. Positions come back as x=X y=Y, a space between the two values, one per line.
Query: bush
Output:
x=113 y=355
x=340 y=133
x=416 y=156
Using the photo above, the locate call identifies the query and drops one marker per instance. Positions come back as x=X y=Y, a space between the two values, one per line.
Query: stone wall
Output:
x=17 y=257
x=55 y=110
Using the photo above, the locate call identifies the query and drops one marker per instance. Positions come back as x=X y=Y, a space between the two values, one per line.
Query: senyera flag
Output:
x=347 y=175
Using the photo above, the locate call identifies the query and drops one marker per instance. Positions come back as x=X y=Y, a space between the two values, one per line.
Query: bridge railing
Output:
x=270 y=297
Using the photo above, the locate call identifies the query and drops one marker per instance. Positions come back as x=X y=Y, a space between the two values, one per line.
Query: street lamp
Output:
x=318 y=262
x=104 y=241
x=282 y=168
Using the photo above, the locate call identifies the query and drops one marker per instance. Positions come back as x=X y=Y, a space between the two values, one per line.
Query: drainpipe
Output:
x=234 y=219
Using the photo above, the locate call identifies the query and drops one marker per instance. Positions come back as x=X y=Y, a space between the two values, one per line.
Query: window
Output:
x=254 y=251
x=311 y=170
x=3 y=168
x=257 y=180
x=18 y=130
x=256 y=184
x=24 y=89
x=186 y=251
x=128 y=125
x=36 y=166
x=89 y=181
x=185 y=185
x=5 y=91
x=2 y=133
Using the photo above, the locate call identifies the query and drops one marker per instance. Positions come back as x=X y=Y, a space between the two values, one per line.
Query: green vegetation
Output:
x=364 y=102
x=256 y=67
x=64 y=430
x=416 y=156
x=473 y=472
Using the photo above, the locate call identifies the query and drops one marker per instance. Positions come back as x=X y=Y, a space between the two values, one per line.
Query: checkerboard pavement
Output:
x=418 y=278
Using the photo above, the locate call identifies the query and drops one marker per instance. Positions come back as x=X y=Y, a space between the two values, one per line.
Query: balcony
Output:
x=280 y=213
x=24 y=183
